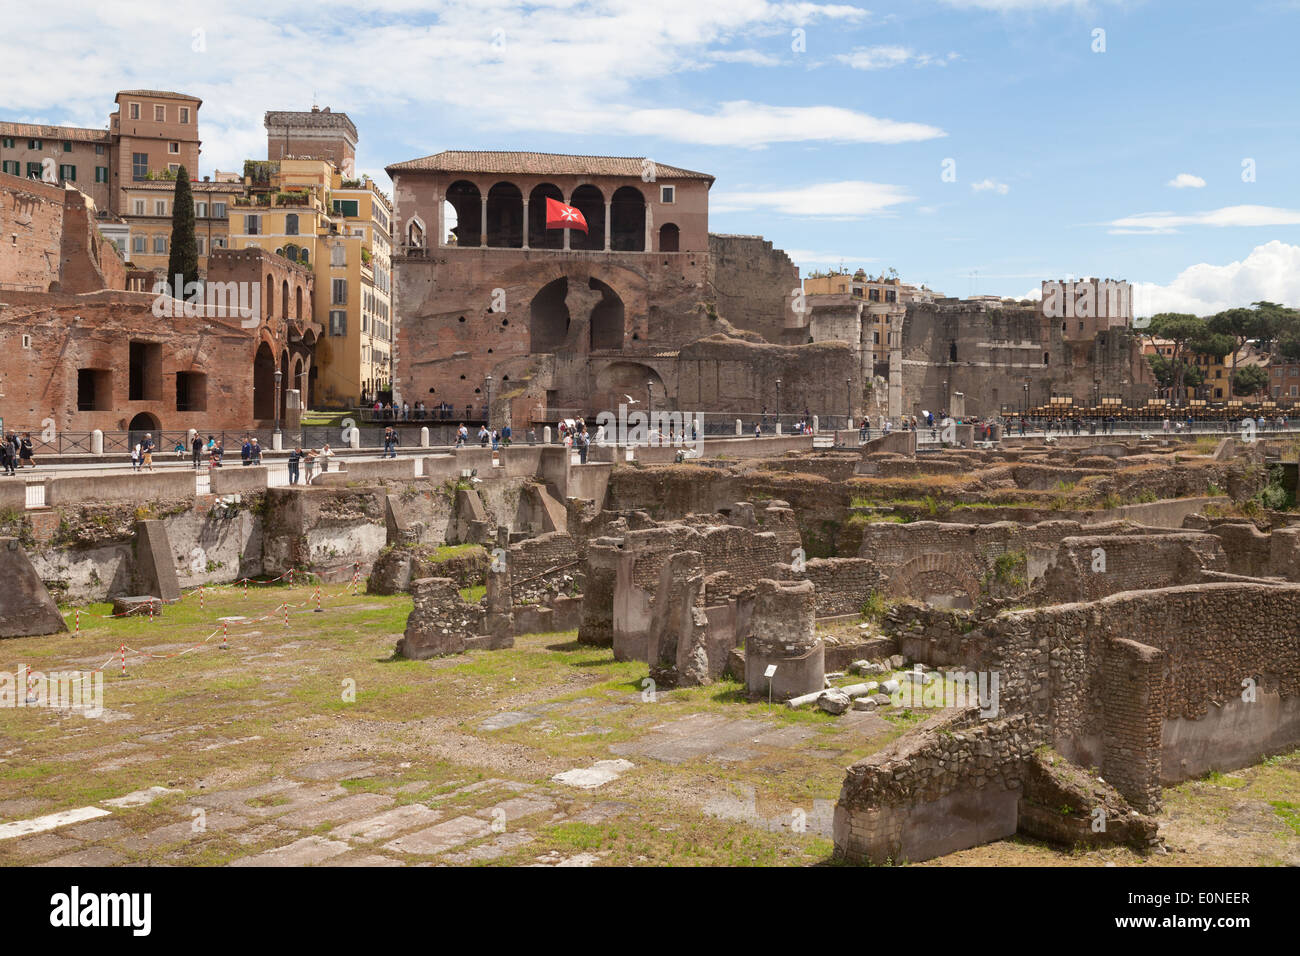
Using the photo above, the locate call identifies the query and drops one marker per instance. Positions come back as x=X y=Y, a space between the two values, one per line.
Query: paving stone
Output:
x=50 y=821
x=183 y=831
x=362 y=859
x=388 y=824
x=509 y=718
x=597 y=775
x=304 y=852
x=600 y=812
x=97 y=830
x=335 y=770
x=233 y=798
x=46 y=844
x=258 y=834
x=138 y=798
x=91 y=856
x=348 y=808
x=499 y=847
x=518 y=807
x=443 y=836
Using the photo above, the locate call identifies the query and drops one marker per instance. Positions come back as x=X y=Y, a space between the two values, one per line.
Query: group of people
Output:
x=16 y=451
x=497 y=438
x=406 y=412
x=142 y=453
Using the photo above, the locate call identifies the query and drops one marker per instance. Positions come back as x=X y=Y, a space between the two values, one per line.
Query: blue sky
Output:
x=831 y=142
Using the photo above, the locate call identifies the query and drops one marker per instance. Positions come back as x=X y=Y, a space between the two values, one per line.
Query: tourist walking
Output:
x=196 y=449
x=295 y=457
x=146 y=451
x=25 y=451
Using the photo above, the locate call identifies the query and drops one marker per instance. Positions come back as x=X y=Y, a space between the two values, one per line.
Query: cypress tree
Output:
x=184 y=257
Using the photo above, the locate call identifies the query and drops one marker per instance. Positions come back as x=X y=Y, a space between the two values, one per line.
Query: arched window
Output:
x=669 y=237
x=539 y=237
x=627 y=220
x=297 y=302
x=270 y=297
x=466 y=207
x=589 y=201
x=284 y=300
x=505 y=216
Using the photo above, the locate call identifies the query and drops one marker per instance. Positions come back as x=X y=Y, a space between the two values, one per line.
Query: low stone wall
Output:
x=369 y=469
x=138 y=487
x=235 y=481
x=1089 y=567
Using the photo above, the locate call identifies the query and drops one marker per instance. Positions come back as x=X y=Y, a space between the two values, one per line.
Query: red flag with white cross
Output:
x=560 y=216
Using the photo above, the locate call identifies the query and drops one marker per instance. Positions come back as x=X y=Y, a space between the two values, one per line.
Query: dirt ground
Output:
x=310 y=744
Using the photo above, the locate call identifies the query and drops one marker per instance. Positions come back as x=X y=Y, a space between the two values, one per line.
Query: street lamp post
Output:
x=848 y=394
x=778 y=406
x=487 y=382
x=278 y=375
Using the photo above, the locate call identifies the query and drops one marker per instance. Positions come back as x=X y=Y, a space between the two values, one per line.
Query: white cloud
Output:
x=1271 y=272
x=887 y=57
x=850 y=199
x=991 y=185
x=496 y=67
x=1009 y=6
x=1158 y=223
x=750 y=57
x=1186 y=181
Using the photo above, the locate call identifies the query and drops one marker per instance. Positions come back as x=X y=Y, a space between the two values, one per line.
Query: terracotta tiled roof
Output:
x=163 y=94
x=76 y=133
x=540 y=164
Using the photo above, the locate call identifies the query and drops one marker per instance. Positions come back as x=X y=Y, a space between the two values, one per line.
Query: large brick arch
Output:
x=916 y=577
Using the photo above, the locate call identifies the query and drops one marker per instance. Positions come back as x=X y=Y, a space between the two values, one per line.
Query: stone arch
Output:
x=670 y=237
x=505 y=216
x=938 y=578
x=142 y=424
x=548 y=316
x=589 y=201
x=539 y=237
x=466 y=202
x=264 y=382
x=607 y=328
x=616 y=381
x=286 y=382
x=627 y=220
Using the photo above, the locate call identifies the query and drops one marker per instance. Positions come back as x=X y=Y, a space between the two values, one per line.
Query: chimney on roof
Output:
x=315 y=108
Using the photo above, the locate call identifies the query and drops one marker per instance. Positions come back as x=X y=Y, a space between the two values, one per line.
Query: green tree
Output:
x=183 y=260
x=1184 y=332
x=1249 y=380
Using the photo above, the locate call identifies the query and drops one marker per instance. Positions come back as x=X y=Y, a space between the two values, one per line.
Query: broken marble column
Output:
x=782 y=632
x=500 y=622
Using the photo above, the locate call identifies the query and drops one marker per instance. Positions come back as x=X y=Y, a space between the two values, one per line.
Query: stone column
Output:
x=97 y=442
x=783 y=632
x=525 y=222
x=482 y=223
x=441 y=226
x=424 y=437
x=607 y=224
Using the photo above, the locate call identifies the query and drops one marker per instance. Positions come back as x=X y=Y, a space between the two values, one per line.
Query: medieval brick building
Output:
x=493 y=306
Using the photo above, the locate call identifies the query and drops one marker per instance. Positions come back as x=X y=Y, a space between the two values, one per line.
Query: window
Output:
x=338 y=323
x=345 y=207
x=185 y=115
x=139 y=166
x=33 y=170
x=253 y=225
x=338 y=255
x=68 y=172
x=291 y=224
x=27 y=341
x=11 y=167
x=134 y=111
x=174 y=168
x=137 y=244
x=160 y=207
x=667 y=194
x=201 y=210
x=137 y=207
x=218 y=242
x=218 y=210
x=338 y=291
x=198 y=243
x=99 y=149
x=67 y=145
x=173 y=148
x=7 y=142
x=33 y=144
x=159 y=114
x=159 y=245
x=101 y=174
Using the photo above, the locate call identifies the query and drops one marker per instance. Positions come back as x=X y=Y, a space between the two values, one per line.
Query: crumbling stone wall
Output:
x=1089 y=567
x=952 y=783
